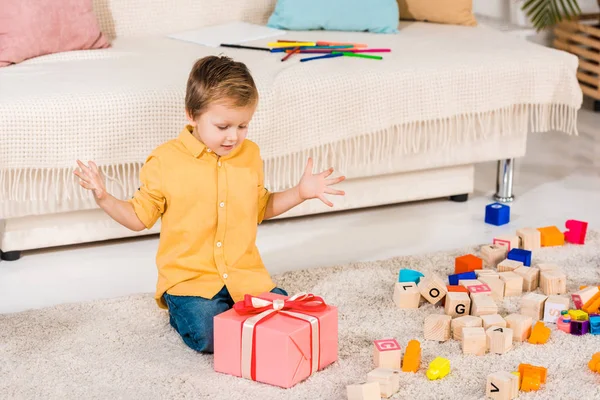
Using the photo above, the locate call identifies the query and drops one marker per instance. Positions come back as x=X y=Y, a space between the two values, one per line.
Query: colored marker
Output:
x=239 y=46
x=289 y=54
x=291 y=44
x=319 y=43
x=321 y=57
x=346 y=54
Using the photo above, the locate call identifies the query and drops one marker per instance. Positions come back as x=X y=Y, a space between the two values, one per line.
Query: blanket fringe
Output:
x=41 y=190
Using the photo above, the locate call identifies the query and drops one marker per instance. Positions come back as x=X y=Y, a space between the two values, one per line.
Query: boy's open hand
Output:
x=91 y=179
x=315 y=186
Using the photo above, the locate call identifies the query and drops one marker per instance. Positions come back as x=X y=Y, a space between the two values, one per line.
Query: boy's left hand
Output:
x=315 y=186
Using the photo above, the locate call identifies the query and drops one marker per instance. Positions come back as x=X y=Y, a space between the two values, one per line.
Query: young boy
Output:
x=207 y=188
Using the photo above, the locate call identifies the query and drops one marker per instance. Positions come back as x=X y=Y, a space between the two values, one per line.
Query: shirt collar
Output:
x=193 y=145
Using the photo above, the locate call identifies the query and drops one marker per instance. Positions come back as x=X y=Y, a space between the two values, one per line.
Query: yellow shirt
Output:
x=210 y=208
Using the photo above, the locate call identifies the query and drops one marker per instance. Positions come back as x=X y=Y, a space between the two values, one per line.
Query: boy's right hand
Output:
x=91 y=178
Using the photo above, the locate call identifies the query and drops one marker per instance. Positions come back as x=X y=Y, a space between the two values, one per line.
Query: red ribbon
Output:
x=301 y=302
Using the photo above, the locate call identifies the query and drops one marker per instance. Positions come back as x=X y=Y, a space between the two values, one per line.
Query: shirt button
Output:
x=225 y=276
x=221 y=204
x=208 y=150
x=219 y=163
x=219 y=244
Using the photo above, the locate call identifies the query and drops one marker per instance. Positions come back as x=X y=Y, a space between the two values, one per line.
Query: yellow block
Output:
x=578 y=315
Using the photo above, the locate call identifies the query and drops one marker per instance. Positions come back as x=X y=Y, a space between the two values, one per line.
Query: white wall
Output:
x=510 y=10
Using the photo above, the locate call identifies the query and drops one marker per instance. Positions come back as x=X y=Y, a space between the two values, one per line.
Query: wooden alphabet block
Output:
x=581 y=297
x=457 y=304
x=493 y=320
x=437 y=327
x=499 y=339
x=468 y=321
x=364 y=391
x=432 y=288
x=469 y=282
x=553 y=282
x=387 y=353
x=406 y=295
x=521 y=326
x=551 y=236
x=553 y=306
x=509 y=265
x=530 y=239
x=478 y=290
x=486 y=273
x=502 y=386
x=532 y=305
x=483 y=305
x=508 y=241
x=474 y=341
x=412 y=357
x=389 y=380
x=513 y=283
x=492 y=254
x=467 y=263
x=496 y=284
x=548 y=267
x=531 y=277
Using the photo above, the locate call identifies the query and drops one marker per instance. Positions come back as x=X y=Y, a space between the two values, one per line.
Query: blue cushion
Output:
x=377 y=16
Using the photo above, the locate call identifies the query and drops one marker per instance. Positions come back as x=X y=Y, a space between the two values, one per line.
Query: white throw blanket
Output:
x=440 y=86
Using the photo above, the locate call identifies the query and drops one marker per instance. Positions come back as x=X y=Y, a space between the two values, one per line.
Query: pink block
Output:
x=576 y=231
x=282 y=345
x=485 y=288
x=505 y=243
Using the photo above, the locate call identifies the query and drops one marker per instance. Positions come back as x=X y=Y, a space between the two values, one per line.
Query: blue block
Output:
x=409 y=275
x=497 y=214
x=453 y=279
x=595 y=325
x=520 y=255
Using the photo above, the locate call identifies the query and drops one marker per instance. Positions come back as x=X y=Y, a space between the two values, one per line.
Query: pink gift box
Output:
x=282 y=350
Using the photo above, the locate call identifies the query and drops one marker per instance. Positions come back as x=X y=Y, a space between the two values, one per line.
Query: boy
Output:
x=207 y=188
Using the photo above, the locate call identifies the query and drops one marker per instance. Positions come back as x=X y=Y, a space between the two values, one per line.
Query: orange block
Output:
x=412 y=357
x=594 y=363
x=593 y=304
x=531 y=377
x=551 y=236
x=539 y=334
x=467 y=263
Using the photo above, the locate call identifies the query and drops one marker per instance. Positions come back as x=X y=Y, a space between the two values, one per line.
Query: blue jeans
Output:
x=192 y=316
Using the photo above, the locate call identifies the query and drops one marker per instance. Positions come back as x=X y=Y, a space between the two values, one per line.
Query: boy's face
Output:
x=223 y=127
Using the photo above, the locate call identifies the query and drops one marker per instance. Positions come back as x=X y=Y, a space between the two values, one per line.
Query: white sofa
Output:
x=407 y=128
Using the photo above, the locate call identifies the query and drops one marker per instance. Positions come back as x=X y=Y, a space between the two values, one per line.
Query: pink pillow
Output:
x=31 y=28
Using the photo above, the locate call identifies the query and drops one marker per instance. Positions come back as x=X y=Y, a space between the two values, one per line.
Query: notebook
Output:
x=232 y=33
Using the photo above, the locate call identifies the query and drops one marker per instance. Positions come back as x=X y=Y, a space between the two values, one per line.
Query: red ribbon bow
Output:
x=300 y=302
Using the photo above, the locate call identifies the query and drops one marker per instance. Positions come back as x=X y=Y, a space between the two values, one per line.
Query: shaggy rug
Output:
x=124 y=348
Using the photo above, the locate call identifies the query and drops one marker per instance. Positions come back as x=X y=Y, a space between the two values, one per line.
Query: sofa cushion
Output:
x=455 y=12
x=30 y=28
x=378 y=16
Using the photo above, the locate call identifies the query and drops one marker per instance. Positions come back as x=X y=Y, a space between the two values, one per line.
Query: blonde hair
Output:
x=215 y=78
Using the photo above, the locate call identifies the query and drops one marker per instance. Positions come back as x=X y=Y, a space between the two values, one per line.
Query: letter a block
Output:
x=499 y=339
x=457 y=304
x=502 y=386
x=432 y=288
x=387 y=353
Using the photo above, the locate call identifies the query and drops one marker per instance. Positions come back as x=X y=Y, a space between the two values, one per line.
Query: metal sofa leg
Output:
x=10 y=255
x=504 y=181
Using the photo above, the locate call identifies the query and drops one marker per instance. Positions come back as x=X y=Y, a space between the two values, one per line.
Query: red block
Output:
x=467 y=263
x=576 y=231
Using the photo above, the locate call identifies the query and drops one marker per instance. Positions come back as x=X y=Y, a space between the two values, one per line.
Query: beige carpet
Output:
x=125 y=349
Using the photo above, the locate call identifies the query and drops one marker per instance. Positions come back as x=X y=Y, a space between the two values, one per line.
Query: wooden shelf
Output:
x=581 y=37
